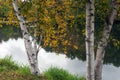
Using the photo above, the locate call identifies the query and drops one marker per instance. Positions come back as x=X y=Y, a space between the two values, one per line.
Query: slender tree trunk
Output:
x=32 y=51
x=103 y=42
x=90 y=39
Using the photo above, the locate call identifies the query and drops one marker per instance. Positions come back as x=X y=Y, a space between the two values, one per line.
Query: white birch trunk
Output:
x=90 y=39
x=32 y=51
x=103 y=42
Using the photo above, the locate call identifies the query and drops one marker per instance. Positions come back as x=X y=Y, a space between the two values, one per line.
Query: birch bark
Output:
x=90 y=39
x=32 y=51
x=103 y=42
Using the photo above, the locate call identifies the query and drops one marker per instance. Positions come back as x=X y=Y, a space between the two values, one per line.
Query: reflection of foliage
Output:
x=7 y=32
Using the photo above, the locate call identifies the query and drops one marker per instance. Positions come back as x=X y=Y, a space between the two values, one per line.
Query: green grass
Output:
x=7 y=64
x=59 y=74
x=9 y=70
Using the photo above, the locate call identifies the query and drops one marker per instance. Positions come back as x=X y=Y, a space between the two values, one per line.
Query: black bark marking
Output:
x=24 y=18
x=115 y=8
x=91 y=14
x=92 y=31
x=25 y=33
x=89 y=1
x=27 y=29
x=28 y=40
x=32 y=39
x=36 y=72
x=37 y=51
x=33 y=54
x=28 y=55
x=23 y=23
x=107 y=21
x=108 y=32
x=32 y=64
x=19 y=9
x=90 y=9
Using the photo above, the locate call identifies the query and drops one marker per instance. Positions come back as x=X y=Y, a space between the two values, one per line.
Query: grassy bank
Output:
x=9 y=70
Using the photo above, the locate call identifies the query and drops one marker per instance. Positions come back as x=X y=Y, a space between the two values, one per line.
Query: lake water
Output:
x=16 y=49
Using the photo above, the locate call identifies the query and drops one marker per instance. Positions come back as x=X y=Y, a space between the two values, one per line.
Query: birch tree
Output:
x=90 y=39
x=103 y=41
x=51 y=17
x=94 y=67
x=32 y=50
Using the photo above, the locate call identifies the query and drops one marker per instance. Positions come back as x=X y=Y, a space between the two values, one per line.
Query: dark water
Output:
x=15 y=47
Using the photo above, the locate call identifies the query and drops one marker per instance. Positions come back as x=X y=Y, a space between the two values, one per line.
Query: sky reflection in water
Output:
x=47 y=59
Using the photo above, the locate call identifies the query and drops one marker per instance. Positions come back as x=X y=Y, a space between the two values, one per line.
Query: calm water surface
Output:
x=46 y=59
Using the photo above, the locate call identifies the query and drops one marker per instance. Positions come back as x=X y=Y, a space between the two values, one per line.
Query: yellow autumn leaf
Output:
x=76 y=47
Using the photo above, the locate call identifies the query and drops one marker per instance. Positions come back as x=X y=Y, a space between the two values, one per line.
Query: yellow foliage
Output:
x=54 y=43
x=76 y=47
x=71 y=17
x=65 y=50
x=0 y=25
